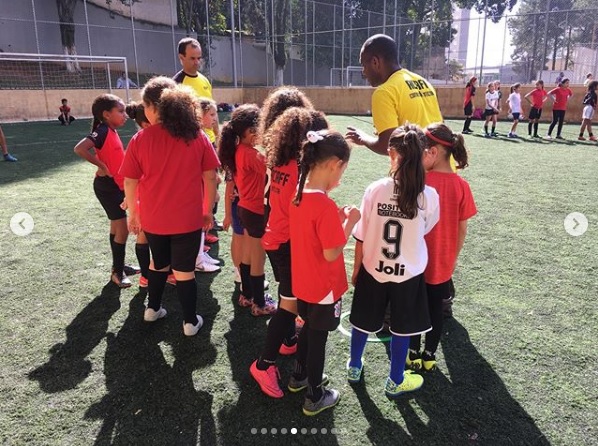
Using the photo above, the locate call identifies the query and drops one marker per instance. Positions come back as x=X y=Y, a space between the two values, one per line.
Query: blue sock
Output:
x=358 y=340
x=399 y=346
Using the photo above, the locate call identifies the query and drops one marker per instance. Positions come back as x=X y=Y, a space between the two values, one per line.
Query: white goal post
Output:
x=347 y=77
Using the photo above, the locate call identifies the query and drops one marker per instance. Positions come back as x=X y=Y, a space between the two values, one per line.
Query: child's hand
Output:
x=226 y=222
x=208 y=221
x=352 y=214
x=123 y=205
x=354 y=276
x=133 y=223
x=104 y=171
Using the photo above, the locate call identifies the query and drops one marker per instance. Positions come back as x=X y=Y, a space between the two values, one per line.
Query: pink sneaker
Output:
x=268 y=309
x=285 y=350
x=244 y=302
x=267 y=380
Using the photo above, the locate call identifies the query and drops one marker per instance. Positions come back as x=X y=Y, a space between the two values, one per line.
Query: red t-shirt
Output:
x=561 y=97
x=170 y=173
x=64 y=109
x=109 y=150
x=456 y=204
x=469 y=92
x=283 y=185
x=538 y=98
x=315 y=226
x=250 y=178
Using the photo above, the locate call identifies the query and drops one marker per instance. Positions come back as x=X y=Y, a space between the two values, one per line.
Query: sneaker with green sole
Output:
x=411 y=382
x=297 y=385
x=354 y=373
x=330 y=398
x=428 y=361
x=414 y=360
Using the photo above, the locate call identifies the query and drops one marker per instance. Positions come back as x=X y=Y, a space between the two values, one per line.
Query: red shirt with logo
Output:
x=109 y=150
x=250 y=178
x=538 y=98
x=170 y=173
x=561 y=97
x=315 y=225
x=456 y=205
x=283 y=186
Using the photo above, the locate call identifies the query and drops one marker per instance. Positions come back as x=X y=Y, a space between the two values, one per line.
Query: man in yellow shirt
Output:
x=190 y=57
x=400 y=95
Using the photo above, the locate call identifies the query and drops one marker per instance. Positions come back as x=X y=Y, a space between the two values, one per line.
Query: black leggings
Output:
x=557 y=116
x=436 y=294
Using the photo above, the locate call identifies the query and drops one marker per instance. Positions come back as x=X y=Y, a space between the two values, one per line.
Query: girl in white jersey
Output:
x=390 y=259
x=514 y=102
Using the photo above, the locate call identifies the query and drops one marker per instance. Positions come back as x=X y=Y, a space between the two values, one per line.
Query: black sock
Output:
x=581 y=134
x=590 y=134
x=529 y=128
x=215 y=208
x=466 y=124
x=277 y=330
x=156 y=281
x=257 y=288
x=143 y=257
x=436 y=318
x=291 y=337
x=493 y=129
x=300 y=372
x=316 y=355
x=245 y=271
x=535 y=129
x=186 y=290
x=118 y=257
x=486 y=129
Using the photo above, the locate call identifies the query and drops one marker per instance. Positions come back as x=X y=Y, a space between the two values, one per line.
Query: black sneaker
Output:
x=131 y=270
x=559 y=137
x=330 y=398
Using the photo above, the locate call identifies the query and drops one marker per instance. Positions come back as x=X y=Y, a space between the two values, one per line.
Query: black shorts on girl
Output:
x=280 y=259
x=177 y=250
x=408 y=305
x=236 y=223
x=254 y=224
x=489 y=112
x=325 y=317
x=468 y=109
x=535 y=113
x=110 y=197
x=516 y=116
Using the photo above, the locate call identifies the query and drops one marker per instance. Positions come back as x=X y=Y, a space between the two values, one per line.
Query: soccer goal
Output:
x=347 y=77
x=21 y=71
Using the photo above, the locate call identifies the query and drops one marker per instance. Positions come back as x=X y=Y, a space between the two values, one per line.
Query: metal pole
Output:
x=333 y=37
x=305 y=39
x=266 y=36
x=174 y=53
x=483 y=40
x=274 y=41
x=394 y=34
x=313 y=43
x=241 y=47
x=545 y=38
x=343 y=47
x=384 y=18
x=41 y=70
x=209 y=42
x=134 y=42
x=232 y=41
x=127 y=73
x=93 y=82
x=504 y=39
x=350 y=39
x=430 y=49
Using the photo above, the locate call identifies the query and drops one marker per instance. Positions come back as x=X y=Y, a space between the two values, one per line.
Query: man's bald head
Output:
x=382 y=46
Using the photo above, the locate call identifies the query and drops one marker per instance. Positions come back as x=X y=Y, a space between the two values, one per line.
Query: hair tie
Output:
x=438 y=140
x=314 y=137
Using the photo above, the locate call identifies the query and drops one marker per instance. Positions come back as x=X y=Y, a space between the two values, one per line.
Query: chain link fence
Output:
x=310 y=43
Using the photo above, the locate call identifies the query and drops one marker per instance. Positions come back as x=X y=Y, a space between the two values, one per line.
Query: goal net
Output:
x=347 y=77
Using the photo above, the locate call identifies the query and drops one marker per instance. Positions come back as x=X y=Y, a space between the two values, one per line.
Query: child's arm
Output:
x=358 y=261
x=461 y=236
x=228 y=205
x=352 y=216
x=209 y=184
x=83 y=149
x=130 y=198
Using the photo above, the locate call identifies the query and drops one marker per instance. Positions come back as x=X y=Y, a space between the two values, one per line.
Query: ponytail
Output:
x=453 y=143
x=136 y=111
x=227 y=148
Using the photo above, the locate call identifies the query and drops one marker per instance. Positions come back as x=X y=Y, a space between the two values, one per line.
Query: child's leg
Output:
x=358 y=342
x=582 y=129
x=142 y=252
x=245 y=268
x=257 y=259
x=316 y=355
x=536 y=127
x=561 y=122
x=554 y=122
x=436 y=293
x=486 y=124
x=184 y=249
x=158 y=269
x=529 y=127
x=494 y=119
x=399 y=346
x=120 y=231
x=514 y=126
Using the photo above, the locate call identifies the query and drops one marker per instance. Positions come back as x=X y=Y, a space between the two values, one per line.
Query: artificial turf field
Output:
x=517 y=364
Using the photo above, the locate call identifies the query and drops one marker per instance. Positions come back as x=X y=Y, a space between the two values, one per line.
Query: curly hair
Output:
x=136 y=111
x=103 y=103
x=285 y=137
x=244 y=117
x=277 y=102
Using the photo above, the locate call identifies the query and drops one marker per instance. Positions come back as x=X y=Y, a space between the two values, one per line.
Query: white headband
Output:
x=314 y=137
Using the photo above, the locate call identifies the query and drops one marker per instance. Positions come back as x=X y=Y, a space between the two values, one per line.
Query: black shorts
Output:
x=320 y=317
x=236 y=223
x=254 y=224
x=468 y=109
x=280 y=259
x=488 y=113
x=441 y=291
x=535 y=113
x=408 y=305
x=516 y=116
x=177 y=250
x=110 y=197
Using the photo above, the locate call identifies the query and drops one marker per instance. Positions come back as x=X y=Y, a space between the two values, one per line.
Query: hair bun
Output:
x=314 y=137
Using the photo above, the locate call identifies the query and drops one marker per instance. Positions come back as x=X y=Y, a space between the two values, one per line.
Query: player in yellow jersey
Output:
x=400 y=95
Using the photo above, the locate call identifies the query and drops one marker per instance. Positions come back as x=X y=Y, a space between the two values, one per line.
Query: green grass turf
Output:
x=517 y=363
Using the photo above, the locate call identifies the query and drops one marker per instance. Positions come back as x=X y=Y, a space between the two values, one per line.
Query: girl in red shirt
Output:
x=284 y=143
x=171 y=158
x=538 y=97
x=248 y=167
x=468 y=103
x=560 y=96
x=318 y=231
x=446 y=239
x=104 y=149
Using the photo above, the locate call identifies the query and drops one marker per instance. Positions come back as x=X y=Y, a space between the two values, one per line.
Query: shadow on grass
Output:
x=67 y=366
x=149 y=370
x=255 y=410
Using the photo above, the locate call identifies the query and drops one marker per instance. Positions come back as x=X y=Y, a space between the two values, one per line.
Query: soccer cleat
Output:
x=244 y=302
x=330 y=398
x=559 y=137
x=428 y=361
x=211 y=238
x=204 y=257
x=151 y=315
x=297 y=385
x=593 y=138
x=8 y=157
x=549 y=137
x=487 y=135
x=205 y=267
x=268 y=309
x=414 y=360
x=287 y=350
x=512 y=135
x=217 y=226
x=354 y=373
x=190 y=329
x=411 y=382
x=267 y=380
x=121 y=280
x=131 y=270
x=171 y=280
x=494 y=134
x=142 y=282
x=581 y=138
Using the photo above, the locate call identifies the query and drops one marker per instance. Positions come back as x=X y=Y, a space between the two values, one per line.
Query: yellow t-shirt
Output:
x=202 y=87
x=405 y=96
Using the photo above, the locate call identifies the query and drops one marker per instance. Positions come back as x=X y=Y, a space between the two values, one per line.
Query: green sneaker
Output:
x=330 y=398
x=428 y=361
x=414 y=360
x=354 y=373
x=411 y=382
x=296 y=385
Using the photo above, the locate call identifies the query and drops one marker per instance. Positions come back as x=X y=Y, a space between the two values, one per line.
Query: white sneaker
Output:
x=206 y=258
x=548 y=137
x=151 y=315
x=204 y=267
x=190 y=329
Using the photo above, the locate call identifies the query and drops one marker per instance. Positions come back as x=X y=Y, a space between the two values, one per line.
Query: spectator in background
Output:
x=560 y=78
x=7 y=156
x=589 y=78
x=65 y=117
x=124 y=82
